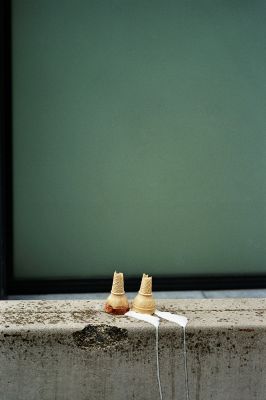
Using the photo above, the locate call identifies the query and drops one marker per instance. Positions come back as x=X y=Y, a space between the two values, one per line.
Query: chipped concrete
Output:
x=72 y=350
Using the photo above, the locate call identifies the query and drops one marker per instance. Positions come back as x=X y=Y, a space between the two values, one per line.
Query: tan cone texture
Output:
x=118 y=283
x=146 y=285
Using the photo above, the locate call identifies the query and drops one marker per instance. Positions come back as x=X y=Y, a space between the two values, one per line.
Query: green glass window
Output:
x=139 y=137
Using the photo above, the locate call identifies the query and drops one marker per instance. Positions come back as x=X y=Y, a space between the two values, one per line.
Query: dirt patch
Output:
x=101 y=337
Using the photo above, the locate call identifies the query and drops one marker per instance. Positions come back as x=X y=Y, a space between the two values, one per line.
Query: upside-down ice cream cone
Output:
x=144 y=302
x=117 y=302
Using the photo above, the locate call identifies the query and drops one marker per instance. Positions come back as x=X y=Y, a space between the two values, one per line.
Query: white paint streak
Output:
x=178 y=319
x=144 y=317
x=182 y=321
x=185 y=363
x=155 y=322
x=157 y=361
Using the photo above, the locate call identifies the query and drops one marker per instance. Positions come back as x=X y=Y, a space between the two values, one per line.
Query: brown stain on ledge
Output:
x=101 y=337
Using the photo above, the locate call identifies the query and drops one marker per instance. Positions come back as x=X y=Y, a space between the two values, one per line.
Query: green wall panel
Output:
x=139 y=137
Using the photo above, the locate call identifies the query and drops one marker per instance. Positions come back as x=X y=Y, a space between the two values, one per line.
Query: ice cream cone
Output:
x=117 y=302
x=144 y=302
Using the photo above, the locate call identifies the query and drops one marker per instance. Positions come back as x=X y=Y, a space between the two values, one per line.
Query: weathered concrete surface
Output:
x=64 y=350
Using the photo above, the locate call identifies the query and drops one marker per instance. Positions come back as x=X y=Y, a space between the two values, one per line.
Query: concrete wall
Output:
x=66 y=350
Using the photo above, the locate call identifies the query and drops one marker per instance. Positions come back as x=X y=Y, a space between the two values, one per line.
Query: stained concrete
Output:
x=66 y=350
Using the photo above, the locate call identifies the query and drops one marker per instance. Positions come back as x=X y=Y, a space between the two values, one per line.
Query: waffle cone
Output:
x=146 y=285
x=117 y=302
x=144 y=302
x=118 y=283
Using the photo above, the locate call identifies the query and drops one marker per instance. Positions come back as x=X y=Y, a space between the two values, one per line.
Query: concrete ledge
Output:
x=66 y=350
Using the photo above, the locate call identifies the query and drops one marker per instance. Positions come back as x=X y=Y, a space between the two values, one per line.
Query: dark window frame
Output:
x=5 y=148
x=8 y=283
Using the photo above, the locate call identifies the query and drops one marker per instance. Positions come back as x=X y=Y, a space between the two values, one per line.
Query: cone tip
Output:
x=146 y=285
x=118 y=283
